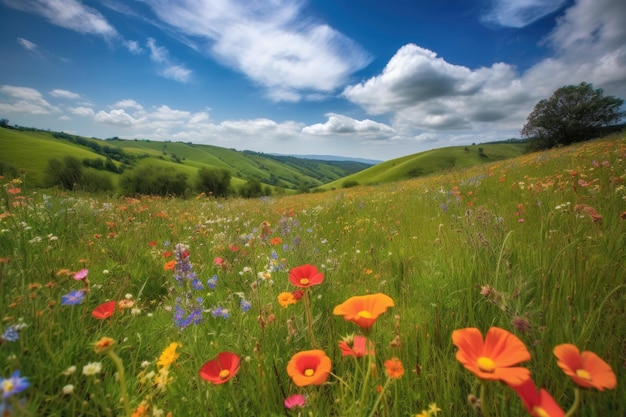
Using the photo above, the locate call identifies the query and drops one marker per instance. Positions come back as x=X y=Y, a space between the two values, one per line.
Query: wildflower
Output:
x=309 y=367
x=168 y=356
x=364 y=310
x=10 y=334
x=296 y=400
x=355 y=346
x=169 y=265
x=73 y=298
x=81 y=275
x=305 y=276
x=493 y=358
x=212 y=282
x=521 y=324
x=104 y=345
x=276 y=241
x=394 y=368
x=92 y=368
x=538 y=403
x=221 y=369
x=586 y=369
x=220 y=312
x=124 y=304
x=218 y=261
x=245 y=304
x=105 y=310
x=433 y=409
x=68 y=389
x=13 y=385
x=70 y=371
x=285 y=299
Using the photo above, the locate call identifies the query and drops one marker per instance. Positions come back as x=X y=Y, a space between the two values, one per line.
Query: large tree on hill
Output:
x=574 y=113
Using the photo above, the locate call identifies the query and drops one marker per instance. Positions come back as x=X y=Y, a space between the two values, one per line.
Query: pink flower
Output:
x=81 y=275
x=296 y=400
x=218 y=261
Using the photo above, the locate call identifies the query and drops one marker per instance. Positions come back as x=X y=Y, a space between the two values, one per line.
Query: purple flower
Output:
x=10 y=334
x=13 y=385
x=81 y=275
x=73 y=298
x=245 y=305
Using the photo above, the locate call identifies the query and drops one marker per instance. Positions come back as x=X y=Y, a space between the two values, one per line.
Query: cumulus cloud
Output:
x=117 y=117
x=70 y=14
x=268 y=41
x=82 y=111
x=520 y=13
x=24 y=100
x=340 y=125
x=59 y=93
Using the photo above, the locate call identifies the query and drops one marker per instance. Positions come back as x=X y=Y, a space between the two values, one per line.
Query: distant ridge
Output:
x=332 y=158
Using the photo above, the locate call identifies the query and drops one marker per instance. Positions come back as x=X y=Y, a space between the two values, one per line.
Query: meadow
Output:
x=222 y=307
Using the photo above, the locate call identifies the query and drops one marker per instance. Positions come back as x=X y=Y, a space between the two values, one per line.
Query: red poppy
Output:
x=538 y=403
x=305 y=276
x=493 y=358
x=586 y=369
x=221 y=368
x=276 y=241
x=309 y=367
x=364 y=309
x=105 y=310
x=355 y=346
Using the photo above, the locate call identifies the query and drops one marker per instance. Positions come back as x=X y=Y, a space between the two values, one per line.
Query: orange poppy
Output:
x=305 y=276
x=538 y=403
x=220 y=369
x=586 y=369
x=105 y=310
x=276 y=241
x=309 y=367
x=394 y=368
x=364 y=309
x=493 y=358
x=170 y=265
x=355 y=346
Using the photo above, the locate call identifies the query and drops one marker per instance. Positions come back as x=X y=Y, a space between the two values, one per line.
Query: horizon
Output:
x=371 y=81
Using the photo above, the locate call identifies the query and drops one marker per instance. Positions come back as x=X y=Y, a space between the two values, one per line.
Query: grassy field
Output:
x=533 y=245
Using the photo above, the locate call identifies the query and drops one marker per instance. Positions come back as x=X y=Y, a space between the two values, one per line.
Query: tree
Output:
x=214 y=181
x=574 y=113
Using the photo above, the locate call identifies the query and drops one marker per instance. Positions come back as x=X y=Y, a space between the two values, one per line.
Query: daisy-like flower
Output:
x=305 y=276
x=493 y=358
x=168 y=356
x=73 y=298
x=104 y=310
x=104 y=345
x=394 y=368
x=538 y=403
x=309 y=367
x=586 y=369
x=92 y=368
x=81 y=275
x=364 y=310
x=285 y=299
x=13 y=385
x=221 y=369
x=296 y=400
x=355 y=346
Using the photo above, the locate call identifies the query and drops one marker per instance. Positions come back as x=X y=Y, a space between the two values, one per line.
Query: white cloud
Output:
x=82 y=111
x=269 y=41
x=128 y=104
x=70 y=14
x=117 y=118
x=160 y=55
x=340 y=125
x=64 y=94
x=177 y=73
x=28 y=45
x=133 y=47
x=24 y=100
x=520 y=13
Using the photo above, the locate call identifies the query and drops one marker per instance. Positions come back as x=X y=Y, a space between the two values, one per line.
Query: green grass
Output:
x=516 y=227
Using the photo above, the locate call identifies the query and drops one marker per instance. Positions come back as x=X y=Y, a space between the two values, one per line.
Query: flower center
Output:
x=540 y=412
x=224 y=373
x=7 y=385
x=309 y=372
x=304 y=281
x=581 y=373
x=364 y=314
x=486 y=364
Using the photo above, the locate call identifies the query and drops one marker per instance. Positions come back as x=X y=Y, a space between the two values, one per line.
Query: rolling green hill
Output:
x=428 y=162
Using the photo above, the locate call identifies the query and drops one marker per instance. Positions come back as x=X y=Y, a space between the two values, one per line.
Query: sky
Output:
x=358 y=78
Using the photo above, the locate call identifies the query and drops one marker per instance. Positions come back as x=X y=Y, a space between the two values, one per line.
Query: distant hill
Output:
x=29 y=150
x=334 y=158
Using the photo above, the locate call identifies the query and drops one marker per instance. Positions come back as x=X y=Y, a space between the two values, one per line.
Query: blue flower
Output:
x=245 y=305
x=73 y=298
x=13 y=385
x=212 y=282
x=10 y=334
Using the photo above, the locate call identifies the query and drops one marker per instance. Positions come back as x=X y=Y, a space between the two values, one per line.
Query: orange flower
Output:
x=309 y=367
x=355 y=346
x=220 y=369
x=394 y=368
x=285 y=299
x=493 y=358
x=170 y=265
x=105 y=310
x=586 y=369
x=305 y=276
x=276 y=241
x=538 y=403
x=364 y=309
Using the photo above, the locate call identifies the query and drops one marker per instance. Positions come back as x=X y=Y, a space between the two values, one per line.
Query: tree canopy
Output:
x=572 y=114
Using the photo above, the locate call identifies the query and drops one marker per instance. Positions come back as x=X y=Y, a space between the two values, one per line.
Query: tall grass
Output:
x=512 y=244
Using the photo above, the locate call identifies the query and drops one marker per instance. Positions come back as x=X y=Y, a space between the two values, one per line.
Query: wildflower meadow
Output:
x=498 y=290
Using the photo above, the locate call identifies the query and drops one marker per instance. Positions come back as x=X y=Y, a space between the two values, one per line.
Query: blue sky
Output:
x=362 y=78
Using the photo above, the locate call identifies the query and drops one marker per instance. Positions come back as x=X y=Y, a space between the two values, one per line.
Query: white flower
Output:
x=157 y=412
x=145 y=364
x=92 y=368
x=128 y=296
x=68 y=389
x=134 y=311
x=69 y=371
x=106 y=271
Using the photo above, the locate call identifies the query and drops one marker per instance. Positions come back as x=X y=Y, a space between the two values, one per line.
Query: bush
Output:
x=350 y=183
x=214 y=181
x=67 y=174
x=95 y=182
x=154 y=180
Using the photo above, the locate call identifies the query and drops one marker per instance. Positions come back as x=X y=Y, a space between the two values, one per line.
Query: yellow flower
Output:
x=433 y=409
x=104 y=345
x=286 y=298
x=168 y=356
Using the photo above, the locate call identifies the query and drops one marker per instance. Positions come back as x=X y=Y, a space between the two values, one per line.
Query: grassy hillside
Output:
x=435 y=160
x=30 y=150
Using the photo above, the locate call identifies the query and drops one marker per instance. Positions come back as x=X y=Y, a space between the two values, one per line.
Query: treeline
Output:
x=69 y=173
x=114 y=153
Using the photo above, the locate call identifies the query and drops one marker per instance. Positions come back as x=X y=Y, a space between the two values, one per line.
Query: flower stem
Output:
x=309 y=320
x=576 y=404
x=120 y=373
x=380 y=397
x=483 y=403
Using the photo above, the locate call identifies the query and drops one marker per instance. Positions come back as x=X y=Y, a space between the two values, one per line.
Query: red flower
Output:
x=355 y=346
x=305 y=276
x=169 y=265
x=220 y=369
x=538 y=403
x=309 y=367
x=105 y=310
